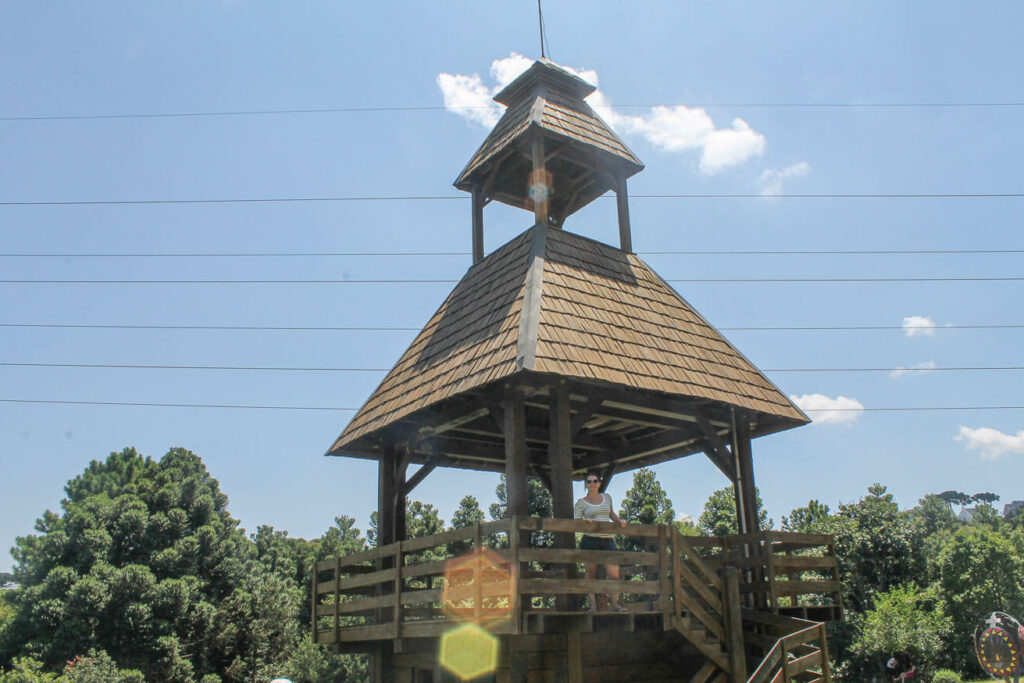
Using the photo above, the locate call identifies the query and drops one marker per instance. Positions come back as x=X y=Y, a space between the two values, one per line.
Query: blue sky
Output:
x=716 y=59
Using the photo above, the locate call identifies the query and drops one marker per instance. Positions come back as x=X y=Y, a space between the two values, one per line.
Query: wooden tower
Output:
x=556 y=355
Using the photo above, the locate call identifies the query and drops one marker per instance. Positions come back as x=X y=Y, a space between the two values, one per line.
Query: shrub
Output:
x=946 y=676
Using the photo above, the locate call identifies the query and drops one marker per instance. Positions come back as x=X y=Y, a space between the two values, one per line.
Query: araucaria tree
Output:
x=145 y=564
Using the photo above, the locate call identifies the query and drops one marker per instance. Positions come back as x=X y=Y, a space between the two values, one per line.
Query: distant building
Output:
x=1011 y=508
x=967 y=514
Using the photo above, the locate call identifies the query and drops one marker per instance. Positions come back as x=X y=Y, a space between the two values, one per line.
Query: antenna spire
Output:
x=540 y=20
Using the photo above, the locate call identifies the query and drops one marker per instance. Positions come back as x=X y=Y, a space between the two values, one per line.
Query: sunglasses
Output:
x=593 y=481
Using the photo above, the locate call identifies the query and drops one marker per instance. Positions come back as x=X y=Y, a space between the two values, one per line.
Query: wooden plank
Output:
x=589 y=527
x=396 y=613
x=787 y=563
x=702 y=615
x=802 y=664
x=692 y=582
x=733 y=618
x=767 y=668
x=581 y=586
x=558 y=555
x=799 y=538
x=664 y=582
x=803 y=587
x=356 y=581
x=683 y=543
x=478 y=225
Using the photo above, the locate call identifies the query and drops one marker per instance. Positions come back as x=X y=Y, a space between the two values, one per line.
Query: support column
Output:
x=560 y=461
x=515 y=452
x=401 y=465
x=539 y=182
x=560 y=452
x=386 y=490
x=478 y=226
x=622 y=202
x=744 y=457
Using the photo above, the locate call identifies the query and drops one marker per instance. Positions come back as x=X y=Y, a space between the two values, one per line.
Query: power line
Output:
x=336 y=408
x=328 y=328
x=268 y=368
x=382 y=198
x=331 y=254
x=438 y=108
x=368 y=281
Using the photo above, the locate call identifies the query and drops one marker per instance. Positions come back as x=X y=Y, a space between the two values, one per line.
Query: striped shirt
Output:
x=595 y=512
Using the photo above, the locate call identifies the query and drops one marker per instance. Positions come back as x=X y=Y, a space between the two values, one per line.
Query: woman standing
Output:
x=597 y=507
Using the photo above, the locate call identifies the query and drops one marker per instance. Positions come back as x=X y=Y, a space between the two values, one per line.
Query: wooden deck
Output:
x=718 y=599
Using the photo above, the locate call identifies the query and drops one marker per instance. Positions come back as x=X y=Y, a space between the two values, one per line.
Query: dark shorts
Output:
x=597 y=543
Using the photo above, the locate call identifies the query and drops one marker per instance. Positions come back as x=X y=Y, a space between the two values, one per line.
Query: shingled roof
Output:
x=555 y=303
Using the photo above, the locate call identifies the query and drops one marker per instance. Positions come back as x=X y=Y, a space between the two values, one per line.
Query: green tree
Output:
x=907 y=622
x=985 y=498
x=934 y=515
x=646 y=502
x=978 y=571
x=813 y=518
x=468 y=514
x=719 y=515
x=139 y=563
x=874 y=546
x=538 y=500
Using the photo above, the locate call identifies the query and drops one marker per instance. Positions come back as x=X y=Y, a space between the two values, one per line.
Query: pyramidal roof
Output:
x=555 y=303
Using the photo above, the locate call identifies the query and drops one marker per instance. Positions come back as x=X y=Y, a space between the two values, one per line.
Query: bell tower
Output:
x=550 y=154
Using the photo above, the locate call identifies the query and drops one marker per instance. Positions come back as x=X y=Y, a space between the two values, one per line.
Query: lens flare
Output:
x=469 y=651
x=478 y=588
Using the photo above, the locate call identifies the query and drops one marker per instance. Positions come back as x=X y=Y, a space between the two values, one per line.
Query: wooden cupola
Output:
x=550 y=153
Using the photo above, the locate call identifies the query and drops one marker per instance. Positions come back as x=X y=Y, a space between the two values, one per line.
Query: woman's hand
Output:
x=622 y=522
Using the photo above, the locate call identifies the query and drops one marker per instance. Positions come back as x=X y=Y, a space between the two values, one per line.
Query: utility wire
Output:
x=336 y=408
x=265 y=368
x=331 y=254
x=325 y=328
x=372 y=109
x=383 y=198
x=808 y=280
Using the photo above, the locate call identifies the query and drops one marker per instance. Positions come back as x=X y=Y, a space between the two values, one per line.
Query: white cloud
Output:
x=992 y=443
x=920 y=367
x=772 y=179
x=918 y=324
x=827 y=410
x=673 y=129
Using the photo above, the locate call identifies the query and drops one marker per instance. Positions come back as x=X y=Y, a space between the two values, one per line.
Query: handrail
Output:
x=776 y=661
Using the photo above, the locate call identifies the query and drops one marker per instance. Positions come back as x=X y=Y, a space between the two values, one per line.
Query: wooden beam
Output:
x=478 y=226
x=622 y=203
x=560 y=453
x=401 y=464
x=515 y=452
x=718 y=452
x=539 y=177
x=583 y=415
x=386 y=496
x=744 y=458
x=421 y=474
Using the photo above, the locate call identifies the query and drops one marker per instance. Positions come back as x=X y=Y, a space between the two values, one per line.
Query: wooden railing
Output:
x=781 y=571
x=799 y=651
x=496 y=574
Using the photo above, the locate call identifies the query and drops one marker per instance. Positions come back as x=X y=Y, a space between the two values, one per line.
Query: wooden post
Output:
x=622 y=202
x=515 y=452
x=538 y=178
x=386 y=496
x=397 y=616
x=560 y=460
x=478 y=226
x=401 y=465
x=746 y=469
x=733 y=624
x=516 y=606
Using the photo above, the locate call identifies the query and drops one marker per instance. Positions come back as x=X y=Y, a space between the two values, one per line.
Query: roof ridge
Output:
x=529 y=317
